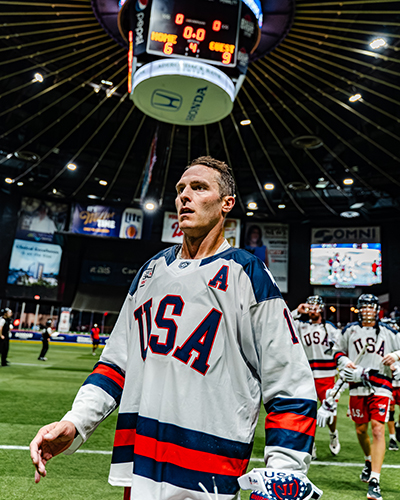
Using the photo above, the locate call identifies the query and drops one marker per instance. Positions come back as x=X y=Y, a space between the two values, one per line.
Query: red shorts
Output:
x=322 y=385
x=395 y=396
x=127 y=493
x=363 y=409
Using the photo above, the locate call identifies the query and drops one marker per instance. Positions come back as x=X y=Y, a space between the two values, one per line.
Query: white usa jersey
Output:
x=197 y=344
x=351 y=342
x=318 y=340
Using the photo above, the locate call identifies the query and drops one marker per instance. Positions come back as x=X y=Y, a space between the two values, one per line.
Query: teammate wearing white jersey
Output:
x=370 y=383
x=203 y=336
x=318 y=337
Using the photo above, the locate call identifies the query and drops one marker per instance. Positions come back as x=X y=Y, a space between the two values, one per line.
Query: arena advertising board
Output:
x=108 y=273
x=39 y=220
x=346 y=256
x=172 y=234
x=34 y=264
x=270 y=243
x=106 y=221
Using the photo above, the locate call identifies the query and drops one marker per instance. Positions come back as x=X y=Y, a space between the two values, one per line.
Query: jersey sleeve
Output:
x=287 y=387
x=101 y=392
x=340 y=350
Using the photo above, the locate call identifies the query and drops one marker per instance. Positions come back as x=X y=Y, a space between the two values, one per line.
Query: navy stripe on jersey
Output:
x=184 y=478
x=290 y=423
x=108 y=377
x=289 y=439
x=377 y=380
x=264 y=288
x=195 y=440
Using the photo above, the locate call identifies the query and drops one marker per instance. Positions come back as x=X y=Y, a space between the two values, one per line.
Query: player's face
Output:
x=314 y=311
x=198 y=202
x=368 y=314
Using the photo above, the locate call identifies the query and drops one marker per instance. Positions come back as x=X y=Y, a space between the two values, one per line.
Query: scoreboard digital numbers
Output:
x=205 y=30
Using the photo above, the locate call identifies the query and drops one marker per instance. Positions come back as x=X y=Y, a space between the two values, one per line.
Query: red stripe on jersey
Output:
x=292 y=422
x=380 y=381
x=322 y=364
x=189 y=459
x=124 y=437
x=338 y=355
x=109 y=372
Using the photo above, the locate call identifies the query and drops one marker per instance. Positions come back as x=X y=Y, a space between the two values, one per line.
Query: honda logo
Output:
x=168 y=101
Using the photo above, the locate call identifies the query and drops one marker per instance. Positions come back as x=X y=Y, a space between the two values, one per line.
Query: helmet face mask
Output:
x=315 y=304
x=368 y=308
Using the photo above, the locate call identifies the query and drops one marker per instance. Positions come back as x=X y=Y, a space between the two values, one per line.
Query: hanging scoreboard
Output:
x=205 y=30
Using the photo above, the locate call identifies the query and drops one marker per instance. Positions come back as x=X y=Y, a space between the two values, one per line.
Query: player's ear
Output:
x=228 y=202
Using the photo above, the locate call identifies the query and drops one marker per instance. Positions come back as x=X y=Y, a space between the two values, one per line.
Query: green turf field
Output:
x=34 y=393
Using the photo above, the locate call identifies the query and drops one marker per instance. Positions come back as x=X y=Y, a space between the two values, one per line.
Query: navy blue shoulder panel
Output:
x=330 y=323
x=169 y=254
x=380 y=323
x=349 y=325
x=263 y=286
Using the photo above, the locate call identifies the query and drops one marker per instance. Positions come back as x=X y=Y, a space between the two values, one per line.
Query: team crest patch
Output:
x=184 y=265
x=146 y=275
x=283 y=488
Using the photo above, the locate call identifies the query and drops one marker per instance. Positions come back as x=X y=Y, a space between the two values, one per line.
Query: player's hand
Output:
x=274 y=484
x=395 y=367
x=326 y=412
x=350 y=364
x=51 y=440
x=389 y=359
x=303 y=308
x=358 y=374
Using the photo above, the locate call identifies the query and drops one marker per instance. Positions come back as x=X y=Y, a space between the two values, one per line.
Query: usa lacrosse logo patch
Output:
x=282 y=488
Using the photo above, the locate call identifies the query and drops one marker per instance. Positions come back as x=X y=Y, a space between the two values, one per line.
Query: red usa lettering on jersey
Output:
x=200 y=342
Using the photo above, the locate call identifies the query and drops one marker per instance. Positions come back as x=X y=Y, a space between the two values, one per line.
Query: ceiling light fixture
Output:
x=355 y=97
x=245 y=122
x=356 y=206
x=71 y=166
x=378 y=43
x=92 y=196
x=54 y=191
x=107 y=82
x=249 y=214
x=252 y=205
x=150 y=206
x=20 y=183
x=322 y=183
x=282 y=205
x=269 y=186
x=103 y=183
x=348 y=181
x=38 y=78
x=9 y=180
x=349 y=214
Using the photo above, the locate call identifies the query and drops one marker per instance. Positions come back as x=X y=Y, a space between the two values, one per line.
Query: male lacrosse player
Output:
x=370 y=383
x=318 y=337
x=203 y=335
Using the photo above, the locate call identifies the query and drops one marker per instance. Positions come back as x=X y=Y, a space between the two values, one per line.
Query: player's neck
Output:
x=202 y=246
x=369 y=324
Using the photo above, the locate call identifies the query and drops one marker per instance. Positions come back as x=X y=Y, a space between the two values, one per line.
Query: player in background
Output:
x=394 y=429
x=46 y=336
x=203 y=336
x=370 y=383
x=5 y=322
x=318 y=337
x=95 y=334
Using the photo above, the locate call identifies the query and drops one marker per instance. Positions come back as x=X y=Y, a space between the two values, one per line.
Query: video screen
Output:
x=346 y=264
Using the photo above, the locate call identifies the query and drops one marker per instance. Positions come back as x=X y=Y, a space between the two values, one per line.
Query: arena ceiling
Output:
x=305 y=135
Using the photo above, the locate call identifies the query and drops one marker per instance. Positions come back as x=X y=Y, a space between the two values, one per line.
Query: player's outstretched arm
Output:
x=51 y=440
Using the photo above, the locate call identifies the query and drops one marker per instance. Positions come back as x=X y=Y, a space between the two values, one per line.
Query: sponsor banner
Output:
x=232 y=232
x=131 y=224
x=270 y=243
x=64 y=321
x=172 y=234
x=151 y=159
x=108 y=273
x=56 y=337
x=39 y=220
x=321 y=235
x=100 y=220
x=34 y=263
